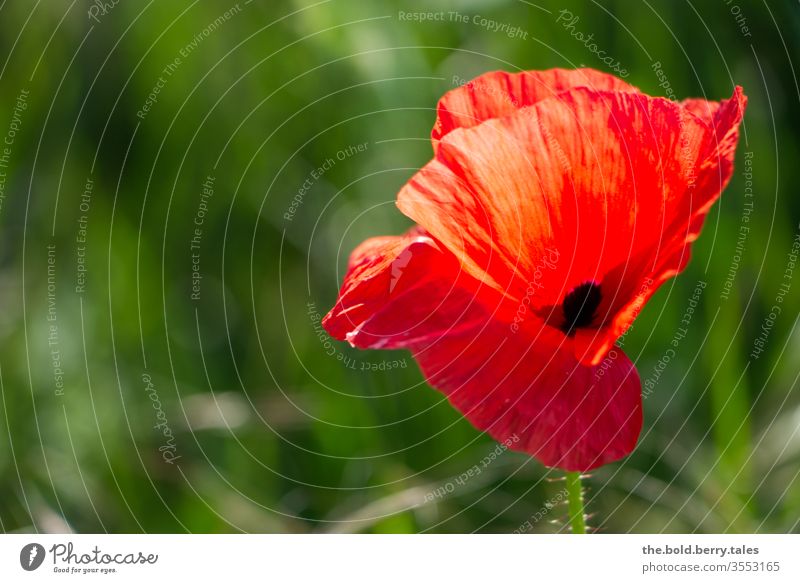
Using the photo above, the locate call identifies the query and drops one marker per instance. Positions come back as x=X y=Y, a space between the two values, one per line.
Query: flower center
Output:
x=579 y=306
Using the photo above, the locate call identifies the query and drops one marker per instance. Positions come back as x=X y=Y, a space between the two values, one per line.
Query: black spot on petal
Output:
x=579 y=306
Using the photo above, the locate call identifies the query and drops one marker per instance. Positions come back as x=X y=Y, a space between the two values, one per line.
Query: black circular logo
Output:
x=31 y=556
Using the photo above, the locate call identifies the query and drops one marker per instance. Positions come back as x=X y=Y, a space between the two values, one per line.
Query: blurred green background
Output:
x=129 y=405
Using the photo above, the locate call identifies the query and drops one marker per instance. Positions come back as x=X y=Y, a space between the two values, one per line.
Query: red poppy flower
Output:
x=556 y=204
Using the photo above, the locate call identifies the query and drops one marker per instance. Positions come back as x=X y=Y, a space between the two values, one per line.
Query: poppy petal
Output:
x=703 y=109
x=498 y=93
x=580 y=173
x=529 y=392
x=399 y=292
x=684 y=218
x=524 y=388
x=604 y=178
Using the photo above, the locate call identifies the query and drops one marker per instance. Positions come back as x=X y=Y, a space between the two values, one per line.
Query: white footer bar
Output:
x=401 y=558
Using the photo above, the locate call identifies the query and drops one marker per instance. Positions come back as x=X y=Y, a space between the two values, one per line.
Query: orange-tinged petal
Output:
x=615 y=182
x=498 y=93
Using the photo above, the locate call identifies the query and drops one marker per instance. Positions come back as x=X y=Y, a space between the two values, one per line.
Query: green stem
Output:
x=575 y=502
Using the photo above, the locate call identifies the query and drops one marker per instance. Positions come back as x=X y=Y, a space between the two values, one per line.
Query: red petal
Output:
x=602 y=178
x=400 y=291
x=525 y=389
x=684 y=219
x=498 y=94
x=703 y=109
x=530 y=392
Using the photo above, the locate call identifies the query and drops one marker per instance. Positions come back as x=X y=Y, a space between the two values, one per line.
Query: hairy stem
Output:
x=575 y=503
